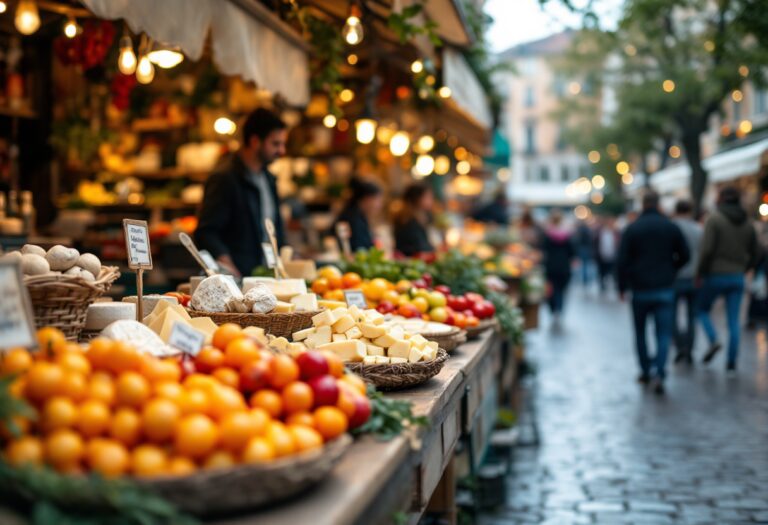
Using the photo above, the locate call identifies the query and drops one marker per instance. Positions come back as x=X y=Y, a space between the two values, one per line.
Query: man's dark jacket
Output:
x=230 y=220
x=652 y=250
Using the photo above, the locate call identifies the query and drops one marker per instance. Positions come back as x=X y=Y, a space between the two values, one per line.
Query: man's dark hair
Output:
x=260 y=123
x=650 y=200
x=730 y=195
x=683 y=207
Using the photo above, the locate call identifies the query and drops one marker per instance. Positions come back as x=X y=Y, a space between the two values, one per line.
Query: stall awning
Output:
x=467 y=93
x=246 y=39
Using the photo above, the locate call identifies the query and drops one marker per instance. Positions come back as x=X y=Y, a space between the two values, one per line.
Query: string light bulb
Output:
x=425 y=143
x=145 y=71
x=165 y=57
x=3 y=7
x=126 y=61
x=353 y=32
x=399 y=144
x=224 y=126
x=27 y=18
x=425 y=165
x=329 y=120
x=71 y=29
x=365 y=130
x=417 y=66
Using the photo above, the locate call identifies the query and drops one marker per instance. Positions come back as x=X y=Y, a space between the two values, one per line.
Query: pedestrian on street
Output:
x=606 y=249
x=685 y=284
x=364 y=205
x=584 y=240
x=559 y=251
x=728 y=251
x=652 y=251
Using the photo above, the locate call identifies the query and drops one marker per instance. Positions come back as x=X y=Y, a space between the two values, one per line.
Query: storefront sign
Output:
x=17 y=327
x=137 y=244
x=185 y=338
x=355 y=298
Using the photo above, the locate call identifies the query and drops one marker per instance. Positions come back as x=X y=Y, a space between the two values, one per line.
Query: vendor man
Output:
x=240 y=194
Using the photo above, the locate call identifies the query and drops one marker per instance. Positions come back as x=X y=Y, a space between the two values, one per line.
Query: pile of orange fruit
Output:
x=109 y=409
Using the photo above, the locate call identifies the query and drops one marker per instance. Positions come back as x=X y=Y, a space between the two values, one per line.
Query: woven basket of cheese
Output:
x=382 y=352
x=447 y=337
x=279 y=307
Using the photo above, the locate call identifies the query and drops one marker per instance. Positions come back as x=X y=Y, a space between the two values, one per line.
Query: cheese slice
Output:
x=397 y=360
x=205 y=325
x=415 y=355
x=371 y=331
x=321 y=336
x=338 y=337
x=418 y=340
x=353 y=350
x=400 y=348
x=354 y=333
x=279 y=343
x=254 y=332
x=343 y=324
x=138 y=336
x=306 y=302
x=374 y=316
x=166 y=319
x=284 y=308
x=374 y=350
x=330 y=305
x=296 y=349
x=369 y=360
x=303 y=334
x=324 y=318
x=385 y=341
x=381 y=360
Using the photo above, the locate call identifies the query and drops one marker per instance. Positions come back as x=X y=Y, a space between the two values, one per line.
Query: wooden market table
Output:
x=375 y=481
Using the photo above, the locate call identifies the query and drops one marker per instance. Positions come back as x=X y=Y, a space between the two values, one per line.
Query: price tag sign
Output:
x=355 y=298
x=185 y=338
x=269 y=255
x=209 y=261
x=17 y=327
x=137 y=244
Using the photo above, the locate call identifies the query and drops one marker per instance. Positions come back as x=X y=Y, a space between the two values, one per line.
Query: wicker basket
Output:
x=473 y=332
x=277 y=324
x=448 y=341
x=62 y=300
x=402 y=375
x=248 y=486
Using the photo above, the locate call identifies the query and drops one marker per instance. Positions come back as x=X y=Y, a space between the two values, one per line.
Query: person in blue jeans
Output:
x=686 y=291
x=651 y=252
x=729 y=250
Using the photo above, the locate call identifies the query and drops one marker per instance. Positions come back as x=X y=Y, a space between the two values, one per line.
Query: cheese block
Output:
x=343 y=324
x=284 y=308
x=259 y=300
x=149 y=302
x=324 y=318
x=369 y=360
x=138 y=336
x=338 y=337
x=353 y=350
x=353 y=333
x=305 y=269
x=284 y=289
x=295 y=349
x=330 y=305
x=374 y=350
x=381 y=360
x=101 y=315
x=400 y=348
x=374 y=316
x=303 y=334
x=204 y=325
x=167 y=318
x=321 y=336
x=214 y=293
x=356 y=314
x=306 y=302
x=372 y=331
x=385 y=341
x=256 y=333
x=161 y=307
x=415 y=355
x=279 y=343
x=418 y=340
x=397 y=360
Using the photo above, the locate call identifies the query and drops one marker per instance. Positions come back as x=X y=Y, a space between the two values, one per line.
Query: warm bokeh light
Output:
x=353 y=31
x=745 y=126
x=504 y=174
x=574 y=88
x=460 y=153
x=399 y=143
x=126 y=61
x=166 y=58
x=444 y=92
x=442 y=164
x=425 y=165
x=581 y=212
x=347 y=95
x=737 y=95
x=425 y=144
x=668 y=86
x=763 y=209
x=417 y=66
x=627 y=178
x=365 y=130
x=463 y=167
x=71 y=29
x=224 y=126
x=145 y=71
x=352 y=59
x=743 y=71
x=630 y=50
x=597 y=198
x=594 y=157
x=329 y=120
x=622 y=168
x=27 y=19
x=598 y=181
x=674 y=152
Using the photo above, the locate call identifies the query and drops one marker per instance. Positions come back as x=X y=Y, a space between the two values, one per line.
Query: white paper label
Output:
x=269 y=255
x=185 y=338
x=355 y=298
x=209 y=261
x=16 y=322
x=138 y=245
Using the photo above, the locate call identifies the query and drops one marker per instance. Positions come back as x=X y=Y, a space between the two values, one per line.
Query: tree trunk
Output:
x=691 y=141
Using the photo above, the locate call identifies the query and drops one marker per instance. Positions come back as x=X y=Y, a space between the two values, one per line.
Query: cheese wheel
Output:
x=101 y=315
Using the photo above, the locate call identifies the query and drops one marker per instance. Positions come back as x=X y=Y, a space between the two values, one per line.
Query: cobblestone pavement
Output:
x=614 y=453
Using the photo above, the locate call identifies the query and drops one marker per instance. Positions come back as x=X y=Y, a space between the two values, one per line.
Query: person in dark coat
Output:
x=652 y=251
x=496 y=211
x=411 y=235
x=240 y=194
x=559 y=250
x=364 y=204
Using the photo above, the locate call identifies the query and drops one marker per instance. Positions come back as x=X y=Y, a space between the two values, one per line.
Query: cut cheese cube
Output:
x=343 y=324
x=397 y=360
x=296 y=349
x=284 y=308
x=374 y=316
x=324 y=318
x=356 y=313
x=303 y=334
x=374 y=350
x=335 y=338
x=353 y=333
x=381 y=360
x=306 y=302
x=418 y=340
x=254 y=332
x=400 y=348
x=432 y=345
x=331 y=305
x=347 y=350
x=321 y=336
x=369 y=360
x=397 y=332
x=205 y=325
x=371 y=330
x=415 y=355
x=385 y=340
x=279 y=343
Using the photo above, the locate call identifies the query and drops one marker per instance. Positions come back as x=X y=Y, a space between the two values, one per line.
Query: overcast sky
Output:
x=518 y=21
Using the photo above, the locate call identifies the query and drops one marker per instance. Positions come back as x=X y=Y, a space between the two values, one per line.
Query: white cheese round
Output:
x=101 y=315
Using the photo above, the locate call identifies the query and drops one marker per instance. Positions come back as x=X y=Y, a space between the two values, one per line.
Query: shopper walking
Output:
x=729 y=249
x=606 y=250
x=559 y=250
x=413 y=220
x=652 y=250
x=685 y=284
x=364 y=205
x=584 y=241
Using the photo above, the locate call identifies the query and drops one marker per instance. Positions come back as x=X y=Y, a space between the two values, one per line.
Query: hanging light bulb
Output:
x=71 y=29
x=329 y=120
x=3 y=7
x=145 y=71
x=399 y=143
x=27 y=19
x=417 y=66
x=126 y=62
x=224 y=126
x=366 y=130
x=353 y=32
x=165 y=57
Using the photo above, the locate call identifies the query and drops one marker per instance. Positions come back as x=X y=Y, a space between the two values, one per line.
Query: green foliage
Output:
x=402 y=26
x=462 y=273
x=389 y=417
x=509 y=317
x=11 y=406
x=373 y=263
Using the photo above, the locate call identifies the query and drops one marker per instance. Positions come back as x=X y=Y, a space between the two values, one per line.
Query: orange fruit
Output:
x=261 y=419
x=225 y=400
x=158 y=419
x=209 y=358
x=335 y=364
x=227 y=376
x=305 y=437
x=148 y=460
x=99 y=353
x=282 y=440
x=258 y=450
x=321 y=285
x=219 y=459
x=195 y=436
x=329 y=271
x=74 y=362
x=202 y=381
x=102 y=388
x=375 y=289
x=236 y=429
x=269 y=400
x=131 y=389
x=125 y=426
x=225 y=334
x=300 y=418
x=153 y=369
x=58 y=412
x=50 y=340
x=181 y=466
x=108 y=457
x=392 y=296
x=124 y=358
x=93 y=418
x=335 y=283
x=472 y=322
x=15 y=361
x=351 y=280
x=194 y=401
x=284 y=370
x=241 y=351
x=169 y=390
x=171 y=370
x=297 y=397
x=330 y=422
x=356 y=382
x=346 y=401
x=25 y=450
x=43 y=380
x=63 y=449
x=74 y=385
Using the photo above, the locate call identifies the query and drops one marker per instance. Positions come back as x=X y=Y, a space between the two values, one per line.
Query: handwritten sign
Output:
x=185 y=338
x=209 y=261
x=355 y=298
x=137 y=244
x=17 y=327
x=269 y=255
